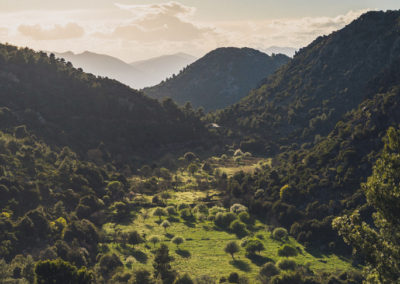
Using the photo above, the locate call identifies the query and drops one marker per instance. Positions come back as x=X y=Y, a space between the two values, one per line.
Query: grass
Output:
x=202 y=253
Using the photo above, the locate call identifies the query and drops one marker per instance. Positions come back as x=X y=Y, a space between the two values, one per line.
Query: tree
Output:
x=165 y=224
x=178 y=240
x=192 y=168
x=59 y=271
x=253 y=246
x=280 y=234
x=287 y=251
x=154 y=240
x=159 y=212
x=142 y=276
x=162 y=266
x=380 y=244
x=232 y=248
x=185 y=279
x=239 y=228
x=268 y=270
x=134 y=238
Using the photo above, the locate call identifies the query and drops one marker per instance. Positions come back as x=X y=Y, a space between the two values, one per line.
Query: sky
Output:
x=138 y=29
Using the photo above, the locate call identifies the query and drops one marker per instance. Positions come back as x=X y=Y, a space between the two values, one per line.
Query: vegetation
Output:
x=99 y=183
x=233 y=74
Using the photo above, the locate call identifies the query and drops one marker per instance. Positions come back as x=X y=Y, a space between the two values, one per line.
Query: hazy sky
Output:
x=137 y=29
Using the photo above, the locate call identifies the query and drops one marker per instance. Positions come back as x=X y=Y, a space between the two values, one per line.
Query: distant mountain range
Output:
x=220 y=78
x=289 y=51
x=137 y=75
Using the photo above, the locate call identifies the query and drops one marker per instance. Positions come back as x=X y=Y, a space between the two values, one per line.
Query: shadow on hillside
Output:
x=258 y=259
x=190 y=224
x=183 y=253
x=140 y=256
x=241 y=265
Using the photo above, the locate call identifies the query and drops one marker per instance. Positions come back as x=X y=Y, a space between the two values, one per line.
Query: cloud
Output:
x=160 y=22
x=56 y=32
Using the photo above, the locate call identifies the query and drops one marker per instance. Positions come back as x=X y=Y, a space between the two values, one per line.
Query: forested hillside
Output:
x=219 y=79
x=101 y=119
x=308 y=96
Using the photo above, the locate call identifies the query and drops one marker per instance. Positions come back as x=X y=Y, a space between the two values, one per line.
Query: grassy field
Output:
x=202 y=253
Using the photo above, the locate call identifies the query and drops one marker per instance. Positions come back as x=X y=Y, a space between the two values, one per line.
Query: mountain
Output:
x=220 y=78
x=306 y=98
x=100 y=119
x=162 y=67
x=106 y=66
x=325 y=114
x=137 y=74
x=289 y=51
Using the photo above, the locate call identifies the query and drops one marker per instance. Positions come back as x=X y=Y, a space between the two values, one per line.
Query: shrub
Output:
x=171 y=210
x=280 y=234
x=253 y=246
x=223 y=220
x=165 y=224
x=268 y=270
x=288 y=278
x=142 y=276
x=233 y=277
x=183 y=206
x=232 y=248
x=178 y=240
x=244 y=217
x=287 y=264
x=186 y=214
x=287 y=251
x=185 y=279
x=159 y=212
x=239 y=228
x=154 y=240
x=135 y=238
x=201 y=208
x=238 y=208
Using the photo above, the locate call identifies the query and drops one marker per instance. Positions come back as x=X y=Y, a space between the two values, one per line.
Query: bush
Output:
x=159 y=212
x=233 y=277
x=280 y=234
x=287 y=251
x=238 y=228
x=171 y=210
x=238 y=208
x=185 y=279
x=223 y=220
x=268 y=270
x=232 y=248
x=142 y=276
x=253 y=246
x=178 y=240
x=244 y=217
x=287 y=264
x=186 y=214
x=183 y=206
x=288 y=278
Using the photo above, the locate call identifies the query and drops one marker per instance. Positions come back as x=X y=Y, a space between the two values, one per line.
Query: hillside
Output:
x=101 y=119
x=137 y=74
x=324 y=80
x=220 y=78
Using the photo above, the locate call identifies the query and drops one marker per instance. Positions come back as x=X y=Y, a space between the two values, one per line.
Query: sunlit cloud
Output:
x=160 y=22
x=56 y=32
x=134 y=32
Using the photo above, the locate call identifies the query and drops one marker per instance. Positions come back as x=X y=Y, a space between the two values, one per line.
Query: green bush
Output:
x=268 y=270
x=239 y=228
x=280 y=234
x=287 y=251
x=287 y=264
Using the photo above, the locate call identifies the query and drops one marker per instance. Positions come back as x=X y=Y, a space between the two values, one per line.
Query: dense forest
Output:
x=220 y=78
x=298 y=182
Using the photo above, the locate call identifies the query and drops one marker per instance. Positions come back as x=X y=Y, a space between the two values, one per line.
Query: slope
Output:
x=101 y=119
x=218 y=79
x=324 y=80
